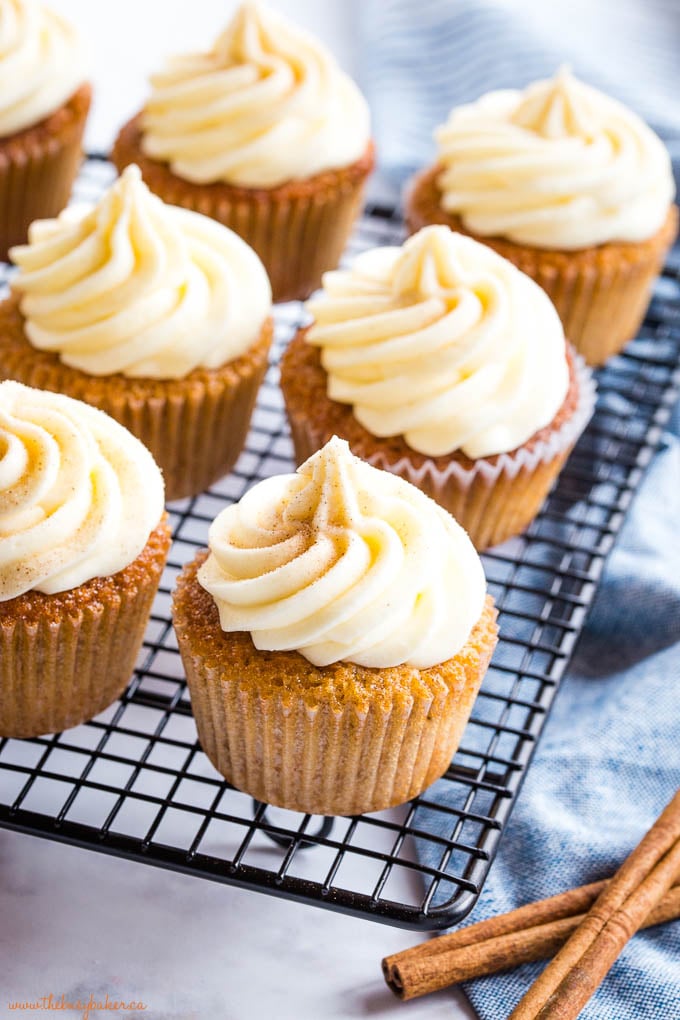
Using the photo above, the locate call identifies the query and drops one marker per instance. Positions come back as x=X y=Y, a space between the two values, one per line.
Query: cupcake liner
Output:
x=497 y=498
x=195 y=427
x=600 y=293
x=601 y=304
x=492 y=498
x=38 y=167
x=64 y=658
x=298 y=229
x=296 y=744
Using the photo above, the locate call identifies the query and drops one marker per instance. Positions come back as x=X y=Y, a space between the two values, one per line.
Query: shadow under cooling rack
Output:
x=134 y=781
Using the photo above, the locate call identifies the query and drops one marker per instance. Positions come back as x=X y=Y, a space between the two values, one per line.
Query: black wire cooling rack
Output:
x=135 y=783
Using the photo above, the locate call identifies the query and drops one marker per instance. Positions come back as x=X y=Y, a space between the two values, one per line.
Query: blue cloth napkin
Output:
x=609 y=757
x=608 y=760
x=419 y=58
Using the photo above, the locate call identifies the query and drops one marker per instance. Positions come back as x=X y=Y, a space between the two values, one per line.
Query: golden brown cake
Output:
x=174 y=349
x=337 y=740
x=316 y=730
x=38 y=167
x=42 y=116
x=265 y=134
x=75 y=587
x=64 y=658
x=195 y=427
x=442 y=308
x=571 y=187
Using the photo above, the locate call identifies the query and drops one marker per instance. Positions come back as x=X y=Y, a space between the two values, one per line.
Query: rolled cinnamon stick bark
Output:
x=532 y=932
x=501 y=942
x=569 y=980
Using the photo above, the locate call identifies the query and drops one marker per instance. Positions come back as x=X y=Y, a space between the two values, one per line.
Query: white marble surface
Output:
x=78 y=923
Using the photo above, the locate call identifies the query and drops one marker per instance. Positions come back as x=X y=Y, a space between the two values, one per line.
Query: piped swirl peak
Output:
x=138 y=287
x=560 y=107
x=343 y=562
x=441 y=341
x=425 y=267
x=253 y=31
x=558 y=165
x=265 y=105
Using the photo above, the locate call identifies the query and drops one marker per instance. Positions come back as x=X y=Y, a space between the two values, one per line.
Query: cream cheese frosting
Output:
x=79 y=495
x=42 y=63
x=267 y=104
x=343 y=562
x=137 y=287
x=441 y=341
x=558 y=165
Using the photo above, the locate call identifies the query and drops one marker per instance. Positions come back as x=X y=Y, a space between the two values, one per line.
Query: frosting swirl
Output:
x=267 y=104
x=139 y=287
x=42 y=63
x=559 y=165
x=343 y=562
x=79 y=495
x=444 y=342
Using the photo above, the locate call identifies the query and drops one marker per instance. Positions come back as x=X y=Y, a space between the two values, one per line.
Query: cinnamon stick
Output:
x=532 y=932
x=569 y=980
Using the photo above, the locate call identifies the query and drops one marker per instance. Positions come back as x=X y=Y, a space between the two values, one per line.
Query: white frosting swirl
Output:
x=139 y=287
x=444 y=342
x=559 y=165
x=79 y=495
x=268 y=104
x=343 y=562
x=42 y=63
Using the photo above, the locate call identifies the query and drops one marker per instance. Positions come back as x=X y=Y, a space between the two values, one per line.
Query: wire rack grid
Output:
x=134 y=782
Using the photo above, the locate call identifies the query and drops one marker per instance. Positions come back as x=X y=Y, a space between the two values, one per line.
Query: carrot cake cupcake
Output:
x=44 y=102
x=570 y=186
x=442 y=362
x=83 y=542
x=266 y=134
x=155 y=314
x=334 y=638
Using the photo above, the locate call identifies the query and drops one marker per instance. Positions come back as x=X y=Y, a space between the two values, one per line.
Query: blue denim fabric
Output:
x=607 y=763
x=609 y=758
x=419 y=58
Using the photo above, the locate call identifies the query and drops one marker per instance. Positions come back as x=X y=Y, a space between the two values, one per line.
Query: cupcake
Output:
x=83 y=541
x=44 y=102
x=442 y=362
x=268 y=136
x=334 y=638
x=157 y=315
x=571 y=187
